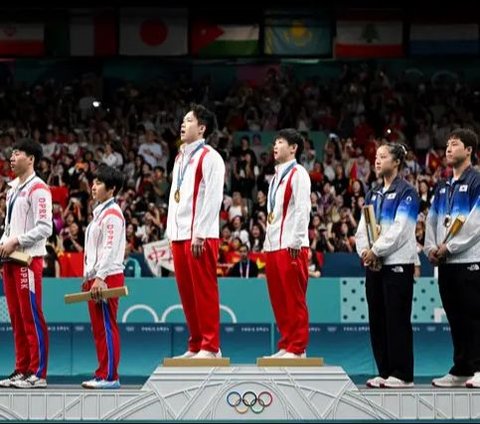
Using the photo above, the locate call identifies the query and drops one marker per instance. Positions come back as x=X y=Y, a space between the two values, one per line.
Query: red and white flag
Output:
x=153 y=32
x=361 y=35
x=93 y=33
x=22 y=39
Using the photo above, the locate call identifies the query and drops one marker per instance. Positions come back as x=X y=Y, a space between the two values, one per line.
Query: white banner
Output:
x=158 y=254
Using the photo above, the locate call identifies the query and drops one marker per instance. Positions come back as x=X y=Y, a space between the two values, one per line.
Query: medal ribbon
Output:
x=273 y=193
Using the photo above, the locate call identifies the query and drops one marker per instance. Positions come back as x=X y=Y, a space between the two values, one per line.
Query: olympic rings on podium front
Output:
x=249 y=401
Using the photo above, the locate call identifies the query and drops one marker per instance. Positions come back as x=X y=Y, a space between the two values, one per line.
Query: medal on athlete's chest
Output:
x=270 y=217
x=176 y=196
x=447 y=221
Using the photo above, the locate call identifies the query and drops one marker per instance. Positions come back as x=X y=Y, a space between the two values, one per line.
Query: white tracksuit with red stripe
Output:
x=104 y=253
x=287 y=278
x=197 y=215
x=29 y=206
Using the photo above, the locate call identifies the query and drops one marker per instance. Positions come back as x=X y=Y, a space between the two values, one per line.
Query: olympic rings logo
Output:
x=249 y=401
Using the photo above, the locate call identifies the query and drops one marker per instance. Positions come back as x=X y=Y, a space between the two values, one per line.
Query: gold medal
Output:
x=176 y=196
x=270 y=217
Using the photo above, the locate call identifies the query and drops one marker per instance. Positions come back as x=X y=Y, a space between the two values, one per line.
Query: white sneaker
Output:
x=395 y=383
x=376 y=382
x=278 y=354
x=187 y=354
x=291 y=355
x=98 y=383
x=473 y=382
x=14 y=376
x=206 y=354
x=31 y=382
x=450 y=380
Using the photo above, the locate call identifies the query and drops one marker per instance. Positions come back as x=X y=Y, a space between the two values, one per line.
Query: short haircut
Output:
x=205 y=117
x=31 y=148
x=292 y=136
x=111 y=177
x=467 y=137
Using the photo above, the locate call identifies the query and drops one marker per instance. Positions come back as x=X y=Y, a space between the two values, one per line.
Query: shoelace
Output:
x=15 y=374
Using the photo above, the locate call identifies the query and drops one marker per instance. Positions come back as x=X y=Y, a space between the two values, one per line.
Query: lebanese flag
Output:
x=369 y=34
x=22 y=39
x=153 y=32
x=93 y=33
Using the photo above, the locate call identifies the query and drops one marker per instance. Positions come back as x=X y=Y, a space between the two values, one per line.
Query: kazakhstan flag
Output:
x=290 y=35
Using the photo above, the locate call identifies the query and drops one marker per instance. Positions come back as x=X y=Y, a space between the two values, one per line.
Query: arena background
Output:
x=93 y=84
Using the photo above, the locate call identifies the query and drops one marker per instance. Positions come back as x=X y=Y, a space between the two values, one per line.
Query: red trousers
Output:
x=105 y=330
x=23 y=290
x=198 y=289
x=287 y=280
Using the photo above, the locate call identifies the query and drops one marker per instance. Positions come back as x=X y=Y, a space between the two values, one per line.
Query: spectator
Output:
x=73 y=238
x=131 y=264
x=314 y=269
x=245 y=267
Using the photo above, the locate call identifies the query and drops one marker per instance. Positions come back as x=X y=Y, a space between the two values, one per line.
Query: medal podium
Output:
x=241 y=392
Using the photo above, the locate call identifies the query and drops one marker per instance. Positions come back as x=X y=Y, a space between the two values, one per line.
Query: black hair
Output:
x=111 y=177
x=292 y=136
x=31 y=148
x=398 y=151
x=205 y=117
x=468 y=138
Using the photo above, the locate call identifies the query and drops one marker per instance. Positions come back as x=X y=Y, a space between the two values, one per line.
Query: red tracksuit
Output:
x=198 y=289
x=29 y=219
x=289 y=206
x=104 y=252
x=193 y=211
x=105 y=330
x=23 y=290
x=287 y=286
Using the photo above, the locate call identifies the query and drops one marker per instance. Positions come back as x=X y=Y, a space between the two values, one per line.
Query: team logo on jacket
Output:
x=408 y=199
x=374 y=197
x=442 y=191
x=473 y=267
x=392 y=196
x=397 y=269
x=463 y=187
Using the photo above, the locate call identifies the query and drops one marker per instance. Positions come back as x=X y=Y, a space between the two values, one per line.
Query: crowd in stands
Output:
x=136 y=129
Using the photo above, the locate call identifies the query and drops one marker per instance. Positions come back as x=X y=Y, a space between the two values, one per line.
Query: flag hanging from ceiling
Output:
x=153 y=32
x=93 y=33
x=369 y=34
x=22 y=39
x=444 y=39
x=211 y=39
x=293 y=34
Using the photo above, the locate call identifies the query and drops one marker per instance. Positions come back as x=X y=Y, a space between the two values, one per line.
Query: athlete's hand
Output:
x=442 y=252
x=8 y=247
x=293 y=252
x=432 y=257
x=369 y=258
x=97 y=288
x=198 y=247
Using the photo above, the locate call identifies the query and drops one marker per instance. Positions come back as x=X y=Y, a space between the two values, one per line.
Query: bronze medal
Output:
x=447 y=221
x=176 y=196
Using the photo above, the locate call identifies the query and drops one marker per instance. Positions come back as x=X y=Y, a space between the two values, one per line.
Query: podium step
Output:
x=194 y=362
x=290 y=362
